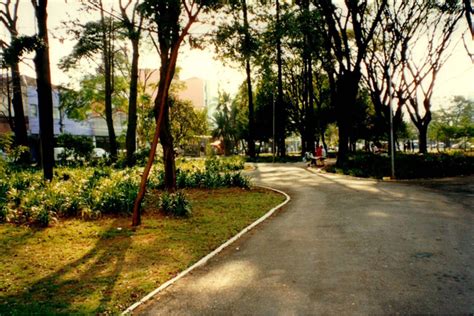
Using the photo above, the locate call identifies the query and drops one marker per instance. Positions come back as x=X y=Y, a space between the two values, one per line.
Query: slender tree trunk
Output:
x=280 y=117
x=9 y=100
x=304 y=140
x=251 y=134
x=108 y=76
x=422 y=138
x=310 y=109
x=346 y=95
x=132 y=106
x=45 y=98
x=168 y=152
x=166 y=75
x=323 y=139
x=21 y=135
x=303 y=146
x=423 y=132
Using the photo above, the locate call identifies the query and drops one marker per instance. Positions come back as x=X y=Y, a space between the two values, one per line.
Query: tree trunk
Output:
x=423 y=132
x=168 y=67
x=311 y=130
x=303 y=145
x=346 y=95
x=45 y=98
x=422 y=138
x=251 y=133
x=132 y=106
x=280 y=117
x=21 y=135
x=108 y=77
x=168 y=152
x=323 y=139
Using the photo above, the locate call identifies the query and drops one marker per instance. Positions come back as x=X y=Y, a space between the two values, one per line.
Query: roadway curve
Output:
x=341 y=246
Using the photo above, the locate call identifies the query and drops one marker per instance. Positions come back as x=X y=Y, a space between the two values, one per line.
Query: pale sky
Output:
x=456 y=78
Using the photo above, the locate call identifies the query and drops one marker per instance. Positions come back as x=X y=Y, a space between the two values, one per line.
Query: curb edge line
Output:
x=212 y=254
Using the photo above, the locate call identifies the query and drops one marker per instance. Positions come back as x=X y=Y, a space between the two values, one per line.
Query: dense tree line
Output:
x=308 y=64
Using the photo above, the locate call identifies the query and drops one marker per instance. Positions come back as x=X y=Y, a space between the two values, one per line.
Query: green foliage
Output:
x=186 y=122
x=90 y=98
x=7 y=145
x=175 y=204
x=116 y=195
x=86 y=192
x=453 y=123
x=78 y=147
x=230 y=121
x=18 y=47
x=407 y=166
x=89 y=42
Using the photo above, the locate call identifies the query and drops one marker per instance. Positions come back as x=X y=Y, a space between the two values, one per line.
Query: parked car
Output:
x=99 y=153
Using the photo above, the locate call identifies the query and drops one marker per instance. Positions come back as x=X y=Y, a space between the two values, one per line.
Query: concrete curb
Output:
x=209 y=256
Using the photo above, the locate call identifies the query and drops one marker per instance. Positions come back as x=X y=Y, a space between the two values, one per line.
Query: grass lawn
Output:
x=103 y=266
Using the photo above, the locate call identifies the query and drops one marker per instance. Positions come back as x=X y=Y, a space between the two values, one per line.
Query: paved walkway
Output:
x=341 y=246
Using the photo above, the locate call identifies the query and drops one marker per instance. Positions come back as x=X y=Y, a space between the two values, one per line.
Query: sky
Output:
x=456 y=77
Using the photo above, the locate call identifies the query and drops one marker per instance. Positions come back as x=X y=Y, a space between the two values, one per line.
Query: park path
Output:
x=341 y=246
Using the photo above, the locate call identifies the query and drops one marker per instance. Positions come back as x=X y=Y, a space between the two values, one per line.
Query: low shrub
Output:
x=175 y=204
x=407 y=166
x=115 y=195
x=77 y=149
x=25 y=198
x=239 y=180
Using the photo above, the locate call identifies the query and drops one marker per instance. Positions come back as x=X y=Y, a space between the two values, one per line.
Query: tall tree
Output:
x=43 y=83
x=234 y=40
x=108 y=62
x=9 y=19
x=133 y=26
x=172 y=20
x=347 y=33
x=419 y=73
x=280 y=127
x=225 y=121
x=98 y=37
x=308 y=89
x=383 y=61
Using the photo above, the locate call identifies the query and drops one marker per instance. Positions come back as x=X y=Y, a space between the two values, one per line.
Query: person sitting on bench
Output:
x=320 y=155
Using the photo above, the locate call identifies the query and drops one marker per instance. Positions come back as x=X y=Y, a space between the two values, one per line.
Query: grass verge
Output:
x=103 y=266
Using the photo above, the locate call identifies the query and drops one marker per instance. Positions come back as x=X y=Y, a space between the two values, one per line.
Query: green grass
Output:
x=103 y=266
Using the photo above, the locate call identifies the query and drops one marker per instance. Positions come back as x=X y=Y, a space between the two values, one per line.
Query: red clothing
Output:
x=319 y=151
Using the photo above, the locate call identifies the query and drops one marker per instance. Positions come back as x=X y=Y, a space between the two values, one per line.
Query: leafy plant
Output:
x=12 y=153
x=175 y=204
x=116 y=195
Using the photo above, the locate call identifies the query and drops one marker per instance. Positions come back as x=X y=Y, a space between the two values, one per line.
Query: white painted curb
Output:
x=204 y=260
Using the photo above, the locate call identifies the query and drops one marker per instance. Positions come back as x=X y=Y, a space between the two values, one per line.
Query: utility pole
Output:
x=273 y=142
x=392 y=143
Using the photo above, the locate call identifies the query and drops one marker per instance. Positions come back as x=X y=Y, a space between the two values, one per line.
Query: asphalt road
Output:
x=341 y=246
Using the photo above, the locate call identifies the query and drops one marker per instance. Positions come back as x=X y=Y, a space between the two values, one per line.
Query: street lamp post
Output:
x=392 y=143
x=273 y=125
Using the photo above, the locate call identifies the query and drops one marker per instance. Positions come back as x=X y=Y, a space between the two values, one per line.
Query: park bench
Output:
x=313 y=160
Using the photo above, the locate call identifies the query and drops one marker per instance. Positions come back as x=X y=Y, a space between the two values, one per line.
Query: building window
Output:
x=33 y=110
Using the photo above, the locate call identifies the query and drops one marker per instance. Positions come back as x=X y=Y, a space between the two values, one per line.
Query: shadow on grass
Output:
x=86 y=283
